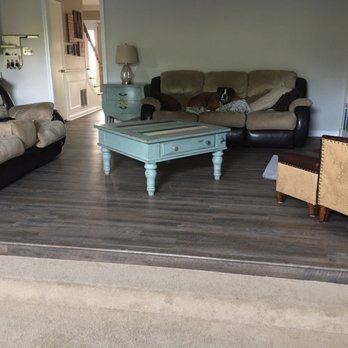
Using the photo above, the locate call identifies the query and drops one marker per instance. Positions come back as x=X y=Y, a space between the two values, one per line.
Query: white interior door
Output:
x=57 y=55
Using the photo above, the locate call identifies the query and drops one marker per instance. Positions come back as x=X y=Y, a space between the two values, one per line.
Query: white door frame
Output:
x=74 y=80
x=103 y=39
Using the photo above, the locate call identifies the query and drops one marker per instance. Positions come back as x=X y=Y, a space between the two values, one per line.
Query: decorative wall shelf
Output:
x=12 y=50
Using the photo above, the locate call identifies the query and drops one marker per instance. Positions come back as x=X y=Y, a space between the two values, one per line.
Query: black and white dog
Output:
x=226 y=94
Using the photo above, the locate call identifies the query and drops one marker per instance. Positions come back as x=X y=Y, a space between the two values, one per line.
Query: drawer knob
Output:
x=123 y=107
x=175 y=148
x=122 y=94
x=208 y=142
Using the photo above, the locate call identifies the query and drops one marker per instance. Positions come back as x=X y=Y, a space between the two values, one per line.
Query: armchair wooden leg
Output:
x=324 y=214
x=280 y=197
x=312 y=210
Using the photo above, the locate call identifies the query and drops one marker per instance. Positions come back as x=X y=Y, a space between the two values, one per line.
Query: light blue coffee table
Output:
x=157 y=141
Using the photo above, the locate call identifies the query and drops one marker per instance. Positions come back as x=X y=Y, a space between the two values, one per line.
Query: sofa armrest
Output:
x=56 y=116
x=303 y=114
x=300 y=102
x=302 y=109
x=153 y=102
x=149 y=106
x=147 y=111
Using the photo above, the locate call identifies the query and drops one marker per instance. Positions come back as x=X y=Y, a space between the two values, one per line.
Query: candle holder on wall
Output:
x=12 y=50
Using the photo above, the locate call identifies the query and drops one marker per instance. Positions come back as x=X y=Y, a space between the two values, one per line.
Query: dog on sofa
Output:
x=226 y=94
x=212 y=100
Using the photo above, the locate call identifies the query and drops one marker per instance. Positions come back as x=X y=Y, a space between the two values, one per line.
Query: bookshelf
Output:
x=75 y=44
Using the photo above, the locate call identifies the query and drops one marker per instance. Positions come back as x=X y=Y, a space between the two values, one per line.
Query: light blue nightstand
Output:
x=122 y=102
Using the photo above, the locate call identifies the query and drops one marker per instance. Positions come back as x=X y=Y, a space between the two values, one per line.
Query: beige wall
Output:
x=91 y=15
x=309 y=37
x=31 y=83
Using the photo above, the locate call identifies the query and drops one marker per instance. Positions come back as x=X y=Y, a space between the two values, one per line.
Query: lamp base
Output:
x=126 y=75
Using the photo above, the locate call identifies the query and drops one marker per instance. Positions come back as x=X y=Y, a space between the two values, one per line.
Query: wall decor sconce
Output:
x=12 y=50
x=126 y=54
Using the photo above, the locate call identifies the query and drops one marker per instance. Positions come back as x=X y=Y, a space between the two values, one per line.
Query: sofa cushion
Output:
x=233 y=79
x=37 y=111
x=174 y=115
x=49 y=132
x=226 y=119
x=168 y=102
x=271 y=120
x=3 y=112
x=265 y=80
x=25 y=130
x=269 y=99
x=5 y=129
x=182 y=82
x=10 y=147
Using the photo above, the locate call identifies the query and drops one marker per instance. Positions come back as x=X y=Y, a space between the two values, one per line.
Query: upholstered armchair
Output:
x=333 y=177
x=318 y=178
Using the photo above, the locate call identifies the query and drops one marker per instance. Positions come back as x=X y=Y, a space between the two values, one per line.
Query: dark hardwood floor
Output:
x=69 y=209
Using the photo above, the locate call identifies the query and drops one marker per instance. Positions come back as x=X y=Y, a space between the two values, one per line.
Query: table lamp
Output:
x=126 y=54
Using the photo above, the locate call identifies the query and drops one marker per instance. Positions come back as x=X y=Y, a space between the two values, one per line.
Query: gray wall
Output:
x=30 y=84
x=307 y=36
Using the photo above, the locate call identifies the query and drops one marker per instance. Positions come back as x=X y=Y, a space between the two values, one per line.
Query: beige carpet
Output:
x=55 y=303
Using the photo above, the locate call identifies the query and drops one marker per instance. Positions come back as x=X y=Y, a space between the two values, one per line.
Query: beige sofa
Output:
x=261 y=90
x=30 y=136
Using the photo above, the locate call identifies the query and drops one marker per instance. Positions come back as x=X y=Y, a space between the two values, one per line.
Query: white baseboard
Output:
x=320 y=133
x=84 y=113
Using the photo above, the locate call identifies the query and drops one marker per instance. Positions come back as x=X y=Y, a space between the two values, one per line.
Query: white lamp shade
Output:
x=126 y=54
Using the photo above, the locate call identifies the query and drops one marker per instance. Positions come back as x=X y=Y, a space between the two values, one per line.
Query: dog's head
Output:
x=225 y=94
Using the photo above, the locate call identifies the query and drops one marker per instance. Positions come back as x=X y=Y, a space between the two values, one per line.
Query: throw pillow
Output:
x=269 y=99
x=285 y=100
x=168 y=102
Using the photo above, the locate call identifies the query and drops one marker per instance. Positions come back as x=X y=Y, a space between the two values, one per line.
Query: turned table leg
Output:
x=217 y=162
x=106 y=160
x=150 y=173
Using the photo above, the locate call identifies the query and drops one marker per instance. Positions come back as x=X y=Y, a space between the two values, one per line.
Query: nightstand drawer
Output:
x=187 y=145
x=125 y=107
x=129 y=93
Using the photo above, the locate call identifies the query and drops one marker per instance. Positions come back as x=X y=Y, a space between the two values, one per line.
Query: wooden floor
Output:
x=69 y=209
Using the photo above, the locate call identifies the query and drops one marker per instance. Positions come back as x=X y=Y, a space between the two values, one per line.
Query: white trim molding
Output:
x=320 y=133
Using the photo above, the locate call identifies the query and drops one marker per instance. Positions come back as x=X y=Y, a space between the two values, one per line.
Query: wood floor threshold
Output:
x=246 y=267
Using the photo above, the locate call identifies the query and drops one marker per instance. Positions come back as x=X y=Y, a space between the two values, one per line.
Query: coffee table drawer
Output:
x=187 y=145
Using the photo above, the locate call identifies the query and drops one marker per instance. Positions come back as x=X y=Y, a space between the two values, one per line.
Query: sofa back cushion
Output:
x=261 y=81
x=234 y=79
x=182 y=82
x=36 y=111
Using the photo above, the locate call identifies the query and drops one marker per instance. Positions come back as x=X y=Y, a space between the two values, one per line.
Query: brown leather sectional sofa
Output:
x=266 y=127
